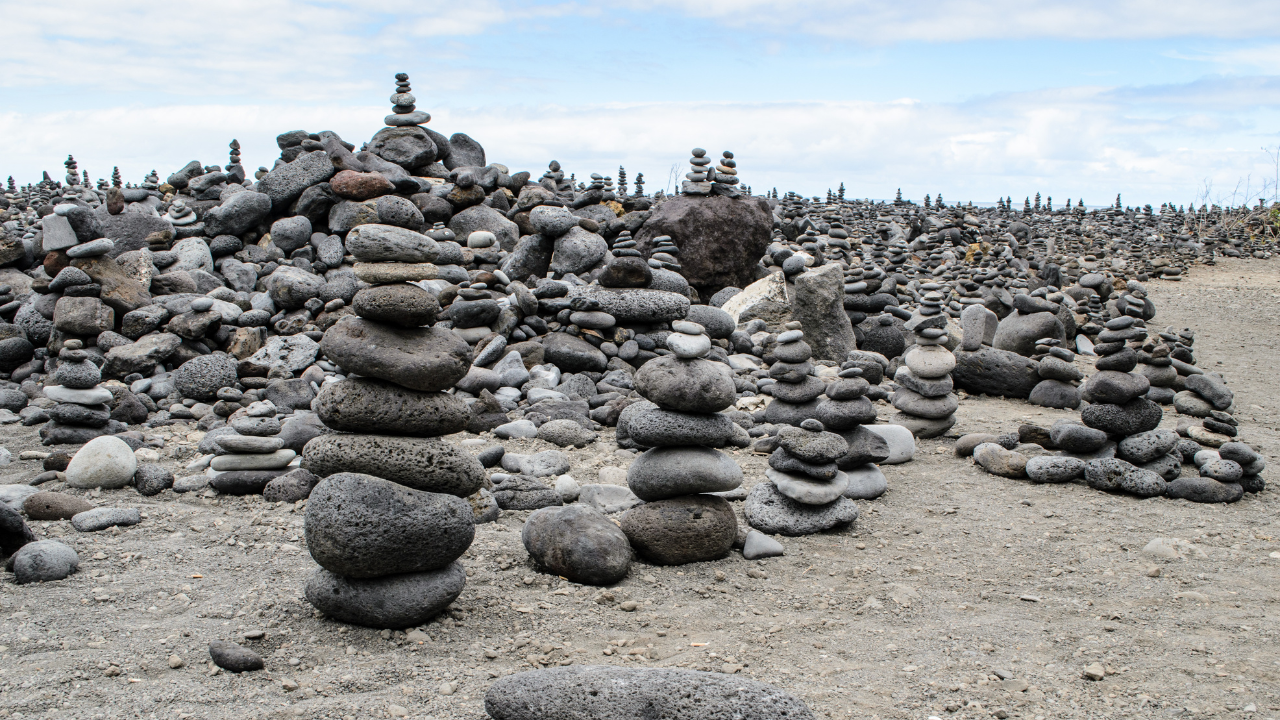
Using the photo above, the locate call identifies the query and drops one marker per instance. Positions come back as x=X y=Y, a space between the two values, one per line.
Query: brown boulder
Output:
x=720 y=238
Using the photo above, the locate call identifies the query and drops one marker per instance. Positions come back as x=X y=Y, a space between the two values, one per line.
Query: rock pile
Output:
x=806 y=489
x=924 y=396
x=680 y=522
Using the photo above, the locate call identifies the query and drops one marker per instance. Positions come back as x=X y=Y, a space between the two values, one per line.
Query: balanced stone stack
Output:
x=1057 y=387
x=698 y=179
x=924 y=396
x=805 y=491
x=684 y=429
x=796 y=390
x=249 y=459
x=82 y=411
x=627 y=268
x=1117 y=396
x=390 y=518
x=663 y=254
x=725 y=177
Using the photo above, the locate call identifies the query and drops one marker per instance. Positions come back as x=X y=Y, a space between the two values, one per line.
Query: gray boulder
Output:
x=396 y=601
x=818 y=304
x=579 y=543
x=427 y=464
x=367 y=405
x=676 y=531
x=667 y=472
x=44 y=561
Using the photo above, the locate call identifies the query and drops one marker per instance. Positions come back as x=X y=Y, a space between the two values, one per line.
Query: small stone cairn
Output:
x=83 y=411
x=796 y=390
x=924 y=396
x=680 y=522
x=627 y=268
x=805 y=489
x=698 y=179
x=404 y=112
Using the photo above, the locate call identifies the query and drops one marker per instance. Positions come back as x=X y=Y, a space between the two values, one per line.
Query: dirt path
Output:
x=958 y=594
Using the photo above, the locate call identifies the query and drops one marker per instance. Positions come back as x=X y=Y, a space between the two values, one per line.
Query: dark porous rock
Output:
x=244 y=482
x=587 y=692
x=1131 y=418
x=427 y=359
x=291 y=394
x=427 y=464
x=522 y=492
x=1113 y=474
x=395 y=601
x=1212 y=389
x=579 y=543
x=1204 y=490
x=234 y=658
x=55 y=433
x=846 y=415
x=783 y=413
x=694 y=386
x=720 y=238
x=573 y=354
x=995 y=372
x=201 y=378
x=360 y=526
x=667 y=472
x=86 y=415
x=637 y=305
x=1051 y=469
x=44 y=561
x=290 y=487
x=812 y=447
x=659 y=428
x=865 y=447
x=54 y=506
x=400 y=304
x=152 y=479
x=14 y=532
x=365 y=405
x=693 y=528
x=773 y=513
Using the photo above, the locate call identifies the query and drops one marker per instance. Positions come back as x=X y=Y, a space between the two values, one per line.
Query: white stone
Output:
x=103 y=462
x=92 y=396
x=902 y=444
x=688 y=346
x=866 y=482
x=770 y=289
x=567 y=488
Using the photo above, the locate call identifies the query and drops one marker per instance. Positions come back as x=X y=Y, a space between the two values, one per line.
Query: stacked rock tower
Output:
x=679 y=523
x=924 y=395
x=83 y=411
x=389 y=520
x=796 y=390
x=805 y=492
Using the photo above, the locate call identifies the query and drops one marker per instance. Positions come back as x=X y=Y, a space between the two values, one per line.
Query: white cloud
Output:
x=885 y=22
x=1090 y=142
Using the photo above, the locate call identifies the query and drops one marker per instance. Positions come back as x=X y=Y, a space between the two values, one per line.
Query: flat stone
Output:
x=105 y=517
x=665 y=472
x=771 y=512
x=367 y=405
x=395 y=601
x=94 y=396
x=427 y=464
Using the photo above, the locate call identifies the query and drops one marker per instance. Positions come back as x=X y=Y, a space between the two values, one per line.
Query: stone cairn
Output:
x=390 y=518
x=924 y=396
x=663 y=254
x=805 y=489
x=698 y=179
x=795 y=389
x=725 y=177
x=403 y=111
x=627 y=267
x=83 y=411
x=254 y=455
x=684 y=429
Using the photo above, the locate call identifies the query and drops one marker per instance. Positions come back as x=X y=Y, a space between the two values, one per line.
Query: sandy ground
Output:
x=958 y=594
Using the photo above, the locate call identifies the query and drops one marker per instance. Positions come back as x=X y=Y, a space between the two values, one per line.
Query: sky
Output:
x=1158 y=101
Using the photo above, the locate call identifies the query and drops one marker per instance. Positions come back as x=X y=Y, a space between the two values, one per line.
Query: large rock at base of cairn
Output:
x=594 y=692
x=995 y=372
x=691 y=528
x=428 y=464
x=394 y=601
x=720 y=238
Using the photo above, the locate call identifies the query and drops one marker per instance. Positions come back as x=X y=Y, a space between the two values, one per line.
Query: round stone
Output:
x=930 y=361
x=396 y=601
x=668 y=472
x=694 y=385
x=687 y=328
x=688 y=346
x=579 y=543
x=399 y=304
x=104 y=462
x=693 y=528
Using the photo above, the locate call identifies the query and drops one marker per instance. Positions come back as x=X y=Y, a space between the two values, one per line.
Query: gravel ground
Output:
x=958 y=594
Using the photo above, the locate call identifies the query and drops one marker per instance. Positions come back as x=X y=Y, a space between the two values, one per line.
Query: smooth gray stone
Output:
x=1204 y=490
x=771 y=512
x=191 y=483
x=522 y=492
x=249 y=444
x=105 y=517
x=1145 y=447
x=44 y=561
x=902 y=444
x=361 y=526
x=1076 y=438
x=758 y=546
x=666 y=472
x=516 y=429
x=94 y=396
x=395 y=601
x=658 y=428
x=807 y=490
x=866 y=482
x=255 y=461
x=579 y=543
x=586 y=692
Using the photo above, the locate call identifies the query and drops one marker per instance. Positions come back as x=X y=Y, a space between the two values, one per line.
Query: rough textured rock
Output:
x=427 y=359
x=773 y=513
x=396 y=601
x=818 y=304
x=365 y=405
x=697 y=385
x=585 y=692
x=360 y=526
x=995 y=372
x=721 y=239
